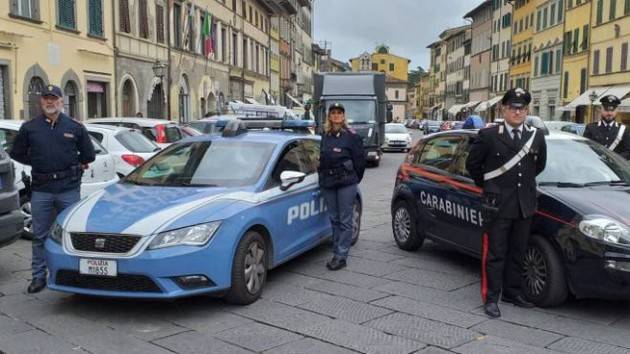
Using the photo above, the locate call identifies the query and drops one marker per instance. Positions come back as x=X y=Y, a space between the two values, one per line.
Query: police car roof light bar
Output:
x=239 y=126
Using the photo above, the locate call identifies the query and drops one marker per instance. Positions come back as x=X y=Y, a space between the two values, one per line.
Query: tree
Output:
x=416 y=75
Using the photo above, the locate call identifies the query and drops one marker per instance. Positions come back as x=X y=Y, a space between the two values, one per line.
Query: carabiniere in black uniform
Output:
x=509 y=200
x=607 y=132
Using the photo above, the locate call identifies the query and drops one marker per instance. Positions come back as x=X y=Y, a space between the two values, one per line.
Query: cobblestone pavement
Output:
x=385 y=301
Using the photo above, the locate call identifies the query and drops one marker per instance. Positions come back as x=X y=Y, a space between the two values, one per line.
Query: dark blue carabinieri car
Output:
x=580 y=242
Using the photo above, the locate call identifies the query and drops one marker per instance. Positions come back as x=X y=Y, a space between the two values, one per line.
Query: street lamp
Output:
x=159 y=70
x=593 y=97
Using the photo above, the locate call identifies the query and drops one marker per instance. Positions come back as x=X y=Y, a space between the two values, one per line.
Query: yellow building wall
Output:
x=41 y=47
x=604 y=36
x=355 y=64
x=524 y=37
x=575 y=18
x=401 y=65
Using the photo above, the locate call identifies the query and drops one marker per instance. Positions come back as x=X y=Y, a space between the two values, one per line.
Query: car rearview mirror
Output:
x=289 y=178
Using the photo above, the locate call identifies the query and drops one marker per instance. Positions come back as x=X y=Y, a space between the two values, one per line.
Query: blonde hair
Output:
x=328 y=126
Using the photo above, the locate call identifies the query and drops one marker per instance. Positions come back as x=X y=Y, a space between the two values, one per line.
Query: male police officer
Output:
x=57 y=148
x=607 y=132
x=504 y=160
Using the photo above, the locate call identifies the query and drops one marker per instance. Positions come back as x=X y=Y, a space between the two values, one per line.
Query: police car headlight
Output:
x=56 y=233
x=197 y=235
x=605 y=229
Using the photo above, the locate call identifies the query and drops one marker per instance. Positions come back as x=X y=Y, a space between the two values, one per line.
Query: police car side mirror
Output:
x=289 y=178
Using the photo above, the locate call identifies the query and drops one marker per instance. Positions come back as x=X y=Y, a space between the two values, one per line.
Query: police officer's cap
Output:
x=52 y=90
x=338 y=106
x=516 y=97
x=610 y=101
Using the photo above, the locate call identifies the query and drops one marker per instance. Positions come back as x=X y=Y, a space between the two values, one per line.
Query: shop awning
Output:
x=485 y=105
x=470 y=104
x=456 y=108
x=585 y=98
x=294 y=100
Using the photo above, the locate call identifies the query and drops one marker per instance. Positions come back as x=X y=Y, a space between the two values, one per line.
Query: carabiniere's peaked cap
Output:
x=516 y=97
x=610 y=101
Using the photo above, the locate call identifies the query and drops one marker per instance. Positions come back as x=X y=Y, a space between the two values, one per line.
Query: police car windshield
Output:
x=579 y=163
x=358 y=111
x=207 y=163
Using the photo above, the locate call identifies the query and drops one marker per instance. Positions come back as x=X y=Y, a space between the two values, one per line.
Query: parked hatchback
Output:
x=162 y=132
x=128 y=147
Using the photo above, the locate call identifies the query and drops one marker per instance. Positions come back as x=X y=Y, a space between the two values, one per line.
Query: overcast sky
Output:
x=406 y=26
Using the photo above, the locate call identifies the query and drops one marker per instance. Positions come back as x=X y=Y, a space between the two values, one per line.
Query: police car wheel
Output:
x=404 y=227
x=545 y=281
x=356 y=221
x=249 y=270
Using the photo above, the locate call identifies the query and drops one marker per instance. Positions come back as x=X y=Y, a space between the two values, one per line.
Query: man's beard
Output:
x=51 y=110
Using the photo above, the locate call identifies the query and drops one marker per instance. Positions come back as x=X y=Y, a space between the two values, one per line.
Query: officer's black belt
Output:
x=53 y=175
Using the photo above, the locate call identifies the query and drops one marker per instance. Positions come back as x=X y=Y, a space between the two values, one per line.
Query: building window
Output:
x=96 y=17
x=565 y=85
x=544 y=66
x=558 y=60
x=576 y=36
x=582 y=81
x=585 y=35
x=177 y=25
x=235 y=49
x=626 y=7
x=223 y=44
x=391 y=66
x=624 y=56
x=159 y=23
x=560 y=11
x=609 y=59
x=128 y=99
x=65 y=17
x=596 y=62
x=97 y=99
x=143 y=24
x=396 y=94
x=613 y=8
x=538 y=19
x=245 y=54
x=545 y=18
x=25 y=8
x=125 y=24
x=375 y=67
x=552 y=15
x=600 y=11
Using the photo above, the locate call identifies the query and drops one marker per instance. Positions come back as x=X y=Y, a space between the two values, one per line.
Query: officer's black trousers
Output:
x=503 y=248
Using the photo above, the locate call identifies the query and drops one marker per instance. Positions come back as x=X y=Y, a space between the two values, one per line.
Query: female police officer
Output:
x=341 y=167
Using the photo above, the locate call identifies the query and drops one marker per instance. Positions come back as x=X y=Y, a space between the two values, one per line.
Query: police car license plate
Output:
x=101 y=267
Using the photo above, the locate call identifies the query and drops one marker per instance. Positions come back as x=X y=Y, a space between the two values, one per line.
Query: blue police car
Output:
x=209 y=214
x=580 y=242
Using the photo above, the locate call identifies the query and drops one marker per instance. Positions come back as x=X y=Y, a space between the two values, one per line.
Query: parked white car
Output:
x=128 y=146
x=161 y=131
x=100 y=173
x=397 y=137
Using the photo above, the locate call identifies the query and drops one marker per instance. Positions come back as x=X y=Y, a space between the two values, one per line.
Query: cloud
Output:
x=406 y=26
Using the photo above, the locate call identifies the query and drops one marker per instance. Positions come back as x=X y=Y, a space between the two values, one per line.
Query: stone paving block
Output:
x=290 y=294
x=346 y=309
x=442 y=281
x=567 y=326
x=376 y=255
x=145 y=328
x=36 y=342
x=209 y=321
x=360 y=338
x=581 y=346
x=279 y=315
x=10 y=326
x=308 y=346
x=309 y=268
x=452 y=299
x=433 y=350
x=287 y=277
x=257 y=336
x=93 y=336
x=196 y=343
x=495 y=345
x=423 y=330
x=349 y=291
x=450 y=266
x=521 y=334
x=374 y=268
x=430 y=311
x=355 y=279
x=604 y=312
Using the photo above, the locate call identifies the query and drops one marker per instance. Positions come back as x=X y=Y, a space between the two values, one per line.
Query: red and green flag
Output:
x=206 y=32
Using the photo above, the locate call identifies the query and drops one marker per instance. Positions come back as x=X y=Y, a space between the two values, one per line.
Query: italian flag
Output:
x=206 y=32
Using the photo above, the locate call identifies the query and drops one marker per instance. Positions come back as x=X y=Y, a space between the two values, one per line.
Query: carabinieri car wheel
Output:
x=404 y=227
x=545 y=282
x=249 y=271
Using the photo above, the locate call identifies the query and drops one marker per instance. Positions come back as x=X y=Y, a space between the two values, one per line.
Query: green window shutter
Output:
x=35 y=10
x=96 y=17
x=65 y=10
x=600 y=11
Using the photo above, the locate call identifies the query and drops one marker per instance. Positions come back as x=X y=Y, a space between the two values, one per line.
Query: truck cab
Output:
x=366 y=105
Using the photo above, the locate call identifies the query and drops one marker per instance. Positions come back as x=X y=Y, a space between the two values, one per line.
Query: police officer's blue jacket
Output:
x=342 y=159
x=54 y=151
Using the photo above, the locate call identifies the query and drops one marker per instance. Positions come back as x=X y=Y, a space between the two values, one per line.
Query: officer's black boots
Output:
x=336 y=263
x=518 y=300
x=492 y=310
x=37 y=285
